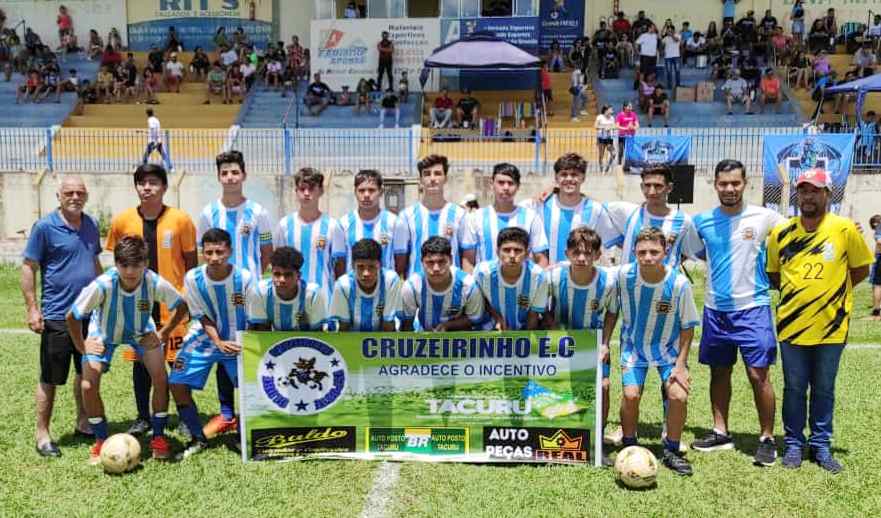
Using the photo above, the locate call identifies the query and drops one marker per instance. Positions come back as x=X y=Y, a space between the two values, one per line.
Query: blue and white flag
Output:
x=646 y=151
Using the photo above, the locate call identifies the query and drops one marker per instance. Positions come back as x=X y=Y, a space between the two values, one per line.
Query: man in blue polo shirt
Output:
x=64 y=245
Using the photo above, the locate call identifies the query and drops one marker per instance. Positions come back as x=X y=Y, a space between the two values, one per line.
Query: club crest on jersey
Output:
x=143 y=305
x=246 y=229
x=523 y=301
x=238 y=299
x=302 y=376
x=385 y=239
x=454 y=310
x=664 y=307
x=379 y=309
x=321 y=242
x=594 y=305
x=749 y=234
x=449 y=230
x=300 y=317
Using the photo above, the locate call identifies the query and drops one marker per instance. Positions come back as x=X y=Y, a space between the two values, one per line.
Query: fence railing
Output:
x=283 y=151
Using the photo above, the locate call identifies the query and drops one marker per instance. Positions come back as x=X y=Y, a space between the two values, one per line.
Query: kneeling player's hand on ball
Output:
x=229 y=347
x=94 y=346
x=150 y=341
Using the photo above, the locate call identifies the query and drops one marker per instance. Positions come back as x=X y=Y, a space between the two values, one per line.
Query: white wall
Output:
x=101 y=15
x=296 y=17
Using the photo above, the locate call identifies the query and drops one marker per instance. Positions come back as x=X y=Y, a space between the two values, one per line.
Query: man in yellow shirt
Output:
x=815 y=260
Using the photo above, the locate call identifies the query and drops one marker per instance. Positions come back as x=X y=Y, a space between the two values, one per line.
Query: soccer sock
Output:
x=670 y=445
x=160 y=419
x=628 y=441
x=141 y=383
x=190 y=415
x=99 y=427
x=225 y=394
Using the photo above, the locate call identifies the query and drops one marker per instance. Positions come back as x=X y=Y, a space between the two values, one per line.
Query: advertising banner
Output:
x=522 y=31
x=561 y=20
x=197 y=21
x=344 y=51
x=456 y=397
x=787 y=156
x=645 y=151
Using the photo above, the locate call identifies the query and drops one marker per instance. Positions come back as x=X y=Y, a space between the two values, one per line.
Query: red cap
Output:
x=816 y=177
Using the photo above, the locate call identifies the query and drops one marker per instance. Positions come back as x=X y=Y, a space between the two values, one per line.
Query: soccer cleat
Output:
x=161 y=448
x=218 y=425
x=95 y=452
x=139 y=427
x=614 y=437
x=677 y=463
x=766 y=453
x=184 y=432
x=193 y=448
x=792 y=458
x=713 y=441
x=825 y=460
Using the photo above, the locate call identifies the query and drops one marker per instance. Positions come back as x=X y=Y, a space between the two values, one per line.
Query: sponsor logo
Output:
x=479 y=406
x=332 y=50
x=566 y=445
x=287 y=442
x=426 y=441
x=664 y=307
x=302 y=376
x=143 y=305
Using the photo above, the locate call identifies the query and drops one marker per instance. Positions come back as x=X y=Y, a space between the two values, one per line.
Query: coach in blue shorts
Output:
x=64 y=245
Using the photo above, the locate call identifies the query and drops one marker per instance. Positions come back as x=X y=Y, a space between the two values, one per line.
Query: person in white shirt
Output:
x=368 y=298
x=273 y=74
x=672 y=60
x=648 y=51
x=351 y=11
x=695 y=46
x=369 y=220
x=736 y=90
x=249 y=72
x=576 y=89
x=605 y=126
x=154 y=141
x=228 y=57
x=174 y=74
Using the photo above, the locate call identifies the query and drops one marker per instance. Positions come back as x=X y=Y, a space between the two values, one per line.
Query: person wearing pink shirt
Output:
x=627 y=122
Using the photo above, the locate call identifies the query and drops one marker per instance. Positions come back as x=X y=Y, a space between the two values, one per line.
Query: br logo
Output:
x=302 y=376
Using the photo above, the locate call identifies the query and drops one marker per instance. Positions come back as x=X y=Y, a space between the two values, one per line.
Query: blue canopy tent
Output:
x=860 y=87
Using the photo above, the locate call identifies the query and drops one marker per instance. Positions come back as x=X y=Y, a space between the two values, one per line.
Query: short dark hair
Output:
x=368 y=175
x=230 y=157
x=651 y=234
x=287 y=257
x=217 y=236
x=728 y=165
x=437 y=245
x=149 y=111
x=583 y=236
x=661 y=170
x=131 y=250
x=433 y=160
x=874 y=221
x=508 y=170
x=366 y=250
x=146 y=170
x=309 y=176
x=513 y=234
x=572 y=160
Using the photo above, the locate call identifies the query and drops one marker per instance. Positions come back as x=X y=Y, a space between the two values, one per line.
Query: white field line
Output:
x=382 y=492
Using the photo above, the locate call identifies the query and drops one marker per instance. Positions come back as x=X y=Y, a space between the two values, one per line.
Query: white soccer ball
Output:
x=636 y=467
x=120 y=453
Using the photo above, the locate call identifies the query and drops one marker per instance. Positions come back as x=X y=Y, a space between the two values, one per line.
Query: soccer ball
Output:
x=636 y=467
x=120 y=453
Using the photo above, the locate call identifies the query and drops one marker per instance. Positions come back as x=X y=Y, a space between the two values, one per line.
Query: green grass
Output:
x=217 y=483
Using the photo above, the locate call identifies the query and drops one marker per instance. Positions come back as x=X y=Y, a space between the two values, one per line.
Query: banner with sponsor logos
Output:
x=455 y=397
x=790 y=155
x=644 y=151
x=561 y=20
x=344 y=51
x=197 y=21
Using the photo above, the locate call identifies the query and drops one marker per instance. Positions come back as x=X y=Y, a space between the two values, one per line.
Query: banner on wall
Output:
x=787 y=156
x=197 y=21
x=458 y=397
x=645 y=151
x=561 y=20
x=522 y=31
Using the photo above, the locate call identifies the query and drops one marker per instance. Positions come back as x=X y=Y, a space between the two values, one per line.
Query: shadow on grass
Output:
x=747 y=443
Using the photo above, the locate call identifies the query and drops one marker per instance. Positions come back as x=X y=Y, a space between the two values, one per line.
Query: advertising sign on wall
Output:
x=561 y=20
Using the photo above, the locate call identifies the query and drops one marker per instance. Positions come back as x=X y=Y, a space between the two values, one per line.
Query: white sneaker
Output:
x=193 y=448
x=575 y=119
x=614 y=437
x=584 y=112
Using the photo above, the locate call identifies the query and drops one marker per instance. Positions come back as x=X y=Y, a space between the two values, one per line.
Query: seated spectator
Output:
x=780 y=45
x=72 y=83
x=220 y=40
x=467 y=110
x=317 y=96
x=646 y=89
x=249 y=71
x=621 y=25
x=843 y=100
x=750 y=71
x=864 y=60
x=696 y=45
x=799 y=69
x=770 y=91
x=119 y=79
x=362 y=96
x=659 y=104
x=201 y=64
x=104 y=83
x=873 y=31
x=820 y=86
x=389 y=104
x=555 y=56
x=351 y=11
x=228 y=57
x=115 y=40
x=235 y=84
x=624 y=49
x=345 y=98
x=767 y=26
x=714 y=42
x=174 y=74
x=818 y=38
x=51 y=83
x=442 y=111
x=156 y=60
x=216 y=82
x=110 y=57
x=404 y=87
x=289 y=79
x=240 y=38
x=32 y=40
x=736 y=90
x=821 y=64
x=610 y=64
x=87 y=93
x=150 y=84
x=173 y=43
x=274 y=74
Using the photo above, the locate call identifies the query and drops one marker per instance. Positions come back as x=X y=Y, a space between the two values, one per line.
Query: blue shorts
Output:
x=750 y=330
x=635 y=376
x=194 y=362
x=875 y=276
x=107 y=357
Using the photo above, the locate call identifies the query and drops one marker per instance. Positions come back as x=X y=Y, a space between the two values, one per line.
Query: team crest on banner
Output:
x=302 y=376
x=641 y=152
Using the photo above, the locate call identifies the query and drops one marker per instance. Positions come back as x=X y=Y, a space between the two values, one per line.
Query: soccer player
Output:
x=250 y=231
x=567 y=209
x=483 y=226
x=737 y=306
x=309 y=230
x=432 y=216
x=122 y=299
x=369 y=220
x=368 y=298
x=443 y=297
x=287 y=302
x=514 y=288
x=170 y=236
x=815 y=260
x=659 y=317
x=875 y=225
x=217 y=294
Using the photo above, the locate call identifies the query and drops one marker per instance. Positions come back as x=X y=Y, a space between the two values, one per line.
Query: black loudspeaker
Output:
x=683 y=184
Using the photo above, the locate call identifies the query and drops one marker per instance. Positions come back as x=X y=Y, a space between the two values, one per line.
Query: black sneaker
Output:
x=713 y=441
x=766 y=453
x=139 y=427
x=825 y=460
x=792 y=458
x=677 y=463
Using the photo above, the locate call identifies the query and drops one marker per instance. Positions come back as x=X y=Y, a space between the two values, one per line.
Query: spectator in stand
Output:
x=797 y=15
x=621 y=25
x=156 y=60
x=228 y=57
x=686 y=32
x=317 y=96
x=235 y=84
x=603 y=38
x=467 y=110
x=641 y=24
x=200 y=64
x=240 y=38
x=87 y=93
x=32 y=41
x=873 y=32
x=750 y=72
x=821 y=64
x=799 y=69
x=173 y=43
x=306 y=66
x=345 y=97
x=864 y=60
x=64 y=23
x=577 y=90
x=843 y=100
x=714 y=42
x=404 y=87
x=577 y=56
x=289 y=79
x=624 y=50
x=780 y=46
x=110 y=58
x=736 y=90
x=295 y=54
x=547 y=87
x=659 y=104
x=729 y=38
x=672 y=60
x=868 y=138
x=695 y=46
x=767 y=25
x=389 y=104
x=386 y=50
x=174 y=74
x=818 y=38
x=273 y=74
x=362 y=92
x=646 y=88
x=51 y=80
x=555 y=57
x=627 y=122
x=119 y=78
x=104 y=83
x=69 y=44
x=351 y=11
x=442 y=111
x=820 y=86
x=647 y=43
x=249 y=71
x=150 y=83
x=221 y=43
x=605 y=127
x=770 y=91
x=747 y=29
x=72 y=83
x=216 y=82
x=831 y=26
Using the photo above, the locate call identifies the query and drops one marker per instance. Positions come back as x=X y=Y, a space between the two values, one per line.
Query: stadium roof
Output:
x=866 y=84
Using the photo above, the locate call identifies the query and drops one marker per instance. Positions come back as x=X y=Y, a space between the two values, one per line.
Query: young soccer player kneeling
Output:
x=369 y=297
x=442 y=297
x=287 y=302
x=659 y=314
x=216 y=294
x=122 y=299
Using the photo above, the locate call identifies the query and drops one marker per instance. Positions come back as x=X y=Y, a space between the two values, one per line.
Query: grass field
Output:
x=216 y=483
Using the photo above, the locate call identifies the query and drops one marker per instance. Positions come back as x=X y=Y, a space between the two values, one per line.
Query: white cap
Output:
x=469 y=198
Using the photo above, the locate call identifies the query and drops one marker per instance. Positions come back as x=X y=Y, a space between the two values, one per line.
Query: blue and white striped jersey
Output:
x=429 y=308
x=314 y=241
x=629 y=219
x=579 y=306
x=248 y=225
x=362 y=311
x=513 y=301
x=307 y=311
x=736 y=254
x=653 y=315
x=482 y=227
x=122 y=317
x=416 y=224
x=559 y=221
x=351 y=228
x=223 y=302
